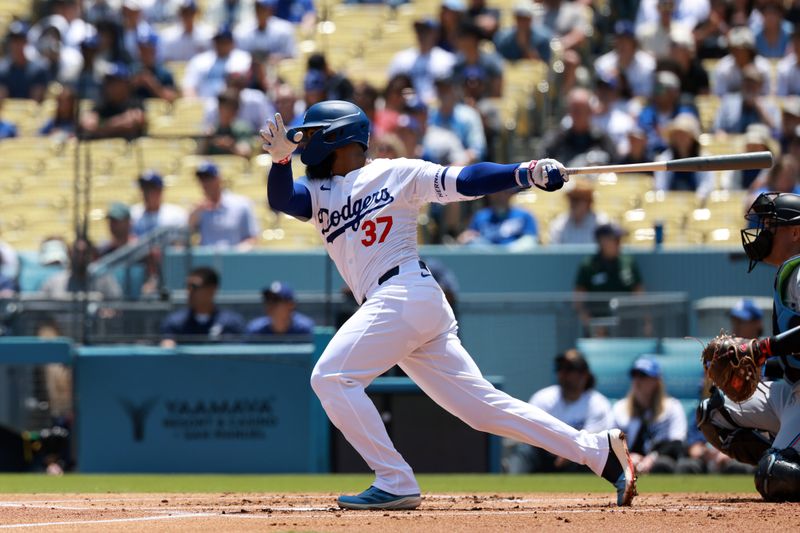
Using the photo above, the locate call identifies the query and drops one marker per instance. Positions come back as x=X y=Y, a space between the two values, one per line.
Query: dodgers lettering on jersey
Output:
x=368 y=218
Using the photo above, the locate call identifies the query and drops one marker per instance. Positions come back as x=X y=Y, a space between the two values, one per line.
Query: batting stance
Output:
x=366 y=213
x=752 y=420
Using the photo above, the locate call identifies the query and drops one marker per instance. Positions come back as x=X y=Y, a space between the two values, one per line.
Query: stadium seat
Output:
x=611 y=359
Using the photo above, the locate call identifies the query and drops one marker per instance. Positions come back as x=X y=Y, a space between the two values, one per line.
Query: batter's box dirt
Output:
x=446 y=513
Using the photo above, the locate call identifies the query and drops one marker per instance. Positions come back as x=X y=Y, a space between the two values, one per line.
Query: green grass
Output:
x=577 y=483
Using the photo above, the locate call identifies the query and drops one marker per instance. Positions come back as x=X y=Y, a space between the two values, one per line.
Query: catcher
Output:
x=752 y=420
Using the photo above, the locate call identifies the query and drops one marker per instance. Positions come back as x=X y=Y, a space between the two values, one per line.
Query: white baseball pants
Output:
x=407 y=321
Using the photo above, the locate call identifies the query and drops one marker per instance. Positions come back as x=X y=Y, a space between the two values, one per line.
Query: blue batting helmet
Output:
x=337 y=123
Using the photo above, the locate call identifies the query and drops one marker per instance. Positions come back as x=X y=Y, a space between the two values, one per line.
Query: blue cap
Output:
x=119 y=71
x=648 y=366
x=18 y=29
x=314 y=80
x=608 y=230
x=147 y=37
x=746 y=309
x=266 y=3
x=151 y=177
x=625 y=27
x=207 y=168
x=188 y=5
x=454 y=5
x=278 y=290
x=224 y=32
x=414 y=103
x=428 y=23
x=92 y=41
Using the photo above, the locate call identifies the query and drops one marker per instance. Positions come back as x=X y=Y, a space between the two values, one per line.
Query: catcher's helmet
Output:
x=330 y=125
x=769 y=210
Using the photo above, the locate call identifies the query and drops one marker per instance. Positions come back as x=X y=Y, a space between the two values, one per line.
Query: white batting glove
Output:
x=549 y=175
x=276 y=142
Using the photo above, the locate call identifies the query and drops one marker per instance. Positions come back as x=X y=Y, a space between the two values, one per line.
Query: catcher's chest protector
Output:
x=783 y=315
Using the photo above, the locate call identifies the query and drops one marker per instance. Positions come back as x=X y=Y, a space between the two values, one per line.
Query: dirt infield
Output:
x=439 y=513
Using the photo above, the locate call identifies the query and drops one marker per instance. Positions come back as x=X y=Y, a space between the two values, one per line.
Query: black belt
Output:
x=392 y=272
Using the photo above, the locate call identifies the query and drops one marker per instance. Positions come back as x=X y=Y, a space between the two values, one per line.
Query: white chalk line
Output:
x=107 y=521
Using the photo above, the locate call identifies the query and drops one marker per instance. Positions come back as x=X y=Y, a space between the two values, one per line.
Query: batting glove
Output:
x=276 y=141
x=549 y=175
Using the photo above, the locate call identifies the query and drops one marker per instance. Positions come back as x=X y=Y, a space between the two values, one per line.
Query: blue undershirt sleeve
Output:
x=286 y=195
x=487 y=178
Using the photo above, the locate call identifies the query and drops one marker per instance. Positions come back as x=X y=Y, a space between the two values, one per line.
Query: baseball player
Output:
x=764 y=429
x=366 y=213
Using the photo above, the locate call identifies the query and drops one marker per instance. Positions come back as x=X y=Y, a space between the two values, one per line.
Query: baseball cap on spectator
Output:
x=206 y=169
x=746 y=309
x=224 y=32
x=473 y=72
x=147 y=37
x=278 y=290
x=741 y=37
x=118 y=211
x=188 y=5
x=646 y=365
x=133 y=5
x=118 y=71
x=454 y=5
x=523 y=8
x=18 y=29
x=426 y=24
x=624 y=28
x=91 y=42
x=314 y=80
x=53 y=252
x=151 y=178
x=682 y=37
x=608 y=230
x=758 y=137
x=684 y=122
x=667 y=80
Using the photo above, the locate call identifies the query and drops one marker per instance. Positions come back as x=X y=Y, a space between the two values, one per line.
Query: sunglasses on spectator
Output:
x=194 y=286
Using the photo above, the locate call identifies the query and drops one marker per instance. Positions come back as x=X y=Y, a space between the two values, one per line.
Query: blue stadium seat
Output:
x=611 y=359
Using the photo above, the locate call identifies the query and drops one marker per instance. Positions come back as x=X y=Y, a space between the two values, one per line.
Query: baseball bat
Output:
x=746 y=161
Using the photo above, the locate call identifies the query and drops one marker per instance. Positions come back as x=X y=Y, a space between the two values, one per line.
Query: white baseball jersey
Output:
x=368 y=218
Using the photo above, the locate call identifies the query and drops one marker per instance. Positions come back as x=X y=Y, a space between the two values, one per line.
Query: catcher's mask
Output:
x=769 y=210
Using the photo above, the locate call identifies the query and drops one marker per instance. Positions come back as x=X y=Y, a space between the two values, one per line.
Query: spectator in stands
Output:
x=683 y=61
x=654 y=422
x=394 y=102
x=7 y=129
x=19 y=76
x=790 y=120
x=607 y=271
x=428 y=141
x=365 y=96
x=119 y=228
x=98 y=11
x=573 y=400
x=205 y=73
x=728 y=74
x=474 y=62
x=662 y=109
x=300 y=12
x=578 y=225
x=335 y=86
x=222 y=218
x=459 y=118
x=739 y=110
x=788 y=82
x=186 y=38
x=111 y=47
x=254 y=106
x=8 y=285
x=280 y=314
x=153 y=213
x=576 y=142
x=782 y=177
x=610 y=114
x=484 y=17
x=710 y=34
x=502 y=223
x=757 y=138
x=62 y=123
x=201 y=320
x=76 y=29
x=53 y=252
x=269 y=36
x=387 y=146
x=151 y=79
x=683 y=140
x=9 y=260
x=286 y=105
x=627 y=61
x=118 y=113
x=655 y=36
x=133 y=25
x=687 y=12
x=230 y=135
x=521 y=41
x=566 y=21
x=747 y=319
x=90 y=80
x=425 y=62
x=62 y=285
x=452 y=14
x=63 y=63
x=637 y=148
x=772 y=40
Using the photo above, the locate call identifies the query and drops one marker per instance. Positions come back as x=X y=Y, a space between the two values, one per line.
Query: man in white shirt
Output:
x=267 y=35
x=789 y=70
x=637 y=65
x=254 y=106
x=727 y=76
x=572 y=400
x=205 y=73
x=687 y=12
x=424 y=63
x=152 y=213
x=188 y=37
x=133 y=24
x=654 y=37
x=578 y=225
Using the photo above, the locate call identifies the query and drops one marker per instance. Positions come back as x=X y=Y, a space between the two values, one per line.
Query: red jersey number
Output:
x=370 y=230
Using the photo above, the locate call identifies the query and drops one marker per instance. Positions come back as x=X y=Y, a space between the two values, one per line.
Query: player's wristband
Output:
x=524 y=174
x=285 y=160
x=764 y=349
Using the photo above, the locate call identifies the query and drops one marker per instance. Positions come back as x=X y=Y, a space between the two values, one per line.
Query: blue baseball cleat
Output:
x=619 y=468
x=375 y=498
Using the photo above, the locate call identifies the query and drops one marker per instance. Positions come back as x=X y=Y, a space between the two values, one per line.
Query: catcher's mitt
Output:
x=734 y=365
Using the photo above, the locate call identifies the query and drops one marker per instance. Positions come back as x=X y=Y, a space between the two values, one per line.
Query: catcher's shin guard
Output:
x=778 y=475
x=746 y=445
